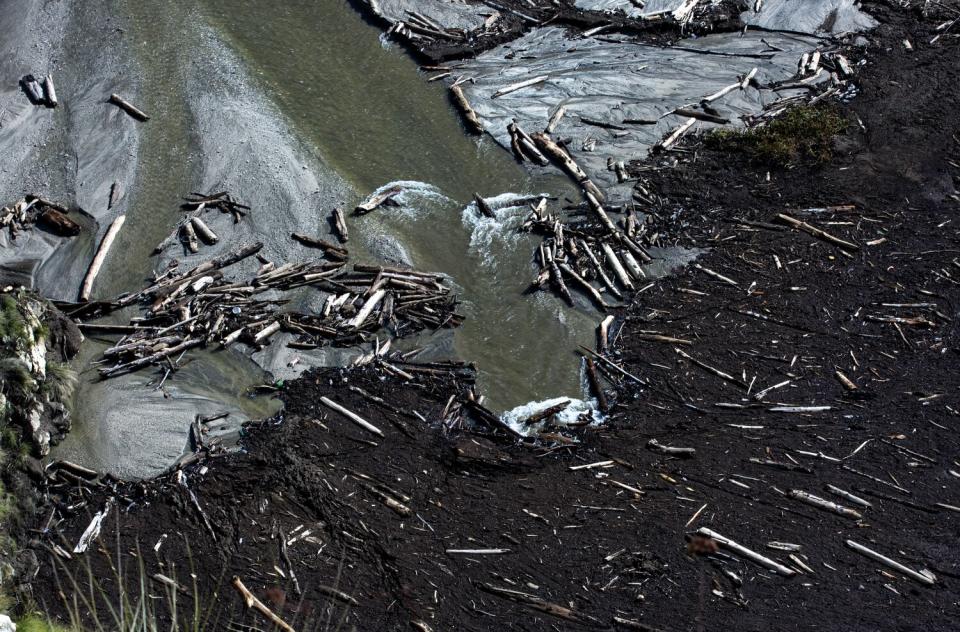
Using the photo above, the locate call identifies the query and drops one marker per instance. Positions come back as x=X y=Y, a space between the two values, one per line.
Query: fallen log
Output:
x=128 y=107
x=330 y=250
x=203 y=231
x=553 y=151
x=340 y=225
x=751 y=555
x=460 y=100
x=51 y=92
x=518 y=86
x=58 y=223
x=100 y=257
x=482 y=206
x=376 y=201
x=352 y=416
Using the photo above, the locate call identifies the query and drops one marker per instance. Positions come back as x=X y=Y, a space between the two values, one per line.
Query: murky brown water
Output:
x=364 y=110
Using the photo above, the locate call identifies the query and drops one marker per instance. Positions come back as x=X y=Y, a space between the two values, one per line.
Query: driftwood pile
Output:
x=40 y=92
x=32 y=210
x=201 y=307
x=601 y=262
x=192 y=229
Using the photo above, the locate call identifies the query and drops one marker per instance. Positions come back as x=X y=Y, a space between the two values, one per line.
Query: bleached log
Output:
x=683 y=453
x=340 y=224
x=823 y=503
x=517 y=86
x=189 y=235
x=675 y=135
x=50 y=91
x=352 y=416
x=367 y=308
x=842 y=493
x=555 y=119
x=376 y=201
x=553 y=151
x=617 y=267
x=460 y=100
x=87 y=287
x=207 y=235
x=720 y=93
x=589 y=289
x=93 y=530
x=928 y=580
x=751 y=555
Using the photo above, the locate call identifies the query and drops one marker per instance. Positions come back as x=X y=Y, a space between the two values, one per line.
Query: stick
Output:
x=753 y=556
x=554 y=119
x=517 y=86
x=683 y=453
x=128 y=107
x=675 y=136
x=252 y=602
x=100 y=257
x=357 y=419
x=710 y=369
x=816 y=232
x=897 y=566
x=460 y=100
x=823 y=503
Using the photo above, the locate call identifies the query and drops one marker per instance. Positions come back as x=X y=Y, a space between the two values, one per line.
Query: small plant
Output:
x=801 y=134
x=60 y=382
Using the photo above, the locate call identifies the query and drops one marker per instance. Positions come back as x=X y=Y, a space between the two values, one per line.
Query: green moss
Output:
x=802 y=134
x=36 y=623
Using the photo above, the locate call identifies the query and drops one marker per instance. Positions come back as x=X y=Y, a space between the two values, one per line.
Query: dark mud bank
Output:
x=440 y=525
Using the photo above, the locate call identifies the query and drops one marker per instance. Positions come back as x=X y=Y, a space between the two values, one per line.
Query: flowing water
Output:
x=358 y=115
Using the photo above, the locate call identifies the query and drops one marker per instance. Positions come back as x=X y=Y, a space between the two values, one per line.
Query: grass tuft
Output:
x=802 y=134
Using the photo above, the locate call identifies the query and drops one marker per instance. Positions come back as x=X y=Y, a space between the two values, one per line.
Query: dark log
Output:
x=128 y=107
x=483 y=207
x=330 y=250
x=58 y=223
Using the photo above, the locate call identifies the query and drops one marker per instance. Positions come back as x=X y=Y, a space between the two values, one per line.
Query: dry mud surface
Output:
x=608 y=546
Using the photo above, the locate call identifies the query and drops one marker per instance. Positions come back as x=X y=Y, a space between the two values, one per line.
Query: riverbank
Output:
x=796 y=361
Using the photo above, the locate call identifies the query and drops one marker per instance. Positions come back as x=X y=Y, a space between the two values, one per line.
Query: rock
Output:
x=7 y=624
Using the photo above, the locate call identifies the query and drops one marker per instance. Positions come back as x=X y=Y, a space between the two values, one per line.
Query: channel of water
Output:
x=359 y=108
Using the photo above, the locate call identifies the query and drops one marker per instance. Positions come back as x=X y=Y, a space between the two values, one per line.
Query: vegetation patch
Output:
x=802 y=134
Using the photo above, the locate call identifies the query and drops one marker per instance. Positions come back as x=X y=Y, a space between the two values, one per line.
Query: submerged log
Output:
x=58 y=223
x=376 y=201
x=552 y=150
x=460 y=100
x=128 y=107
x=485 y=209
x=100 y=257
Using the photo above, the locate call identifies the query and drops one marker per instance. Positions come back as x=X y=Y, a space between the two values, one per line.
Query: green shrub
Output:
x=802 y=134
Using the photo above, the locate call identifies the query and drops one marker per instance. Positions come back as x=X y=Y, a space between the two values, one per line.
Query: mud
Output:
x=592 y=547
